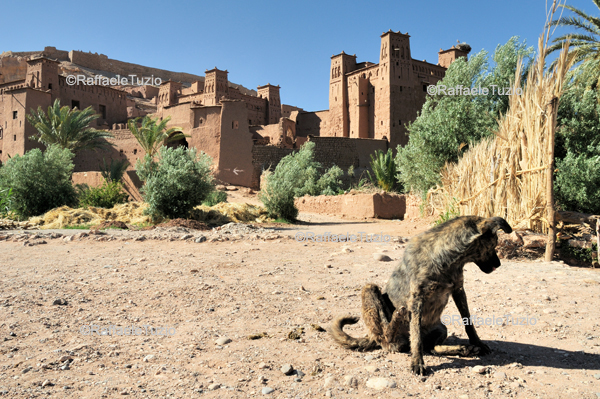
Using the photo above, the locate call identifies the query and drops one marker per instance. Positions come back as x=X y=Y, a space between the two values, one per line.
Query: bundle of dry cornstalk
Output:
x=505 y=175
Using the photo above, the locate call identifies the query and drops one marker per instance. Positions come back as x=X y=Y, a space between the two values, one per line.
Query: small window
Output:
x=425 y=88
x=135 y=151
x=74 y=104
x=400 y=86
x=15 y=137
x=249 y=121
x=381 y=123
x=400 y=122
x=120 y=152
x=15 y=114
x=0 y=133
x=49 y=86
x=102 y=109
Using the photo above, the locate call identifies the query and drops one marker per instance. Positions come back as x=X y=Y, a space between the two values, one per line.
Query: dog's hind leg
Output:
x=397 y=332
x=434 y=339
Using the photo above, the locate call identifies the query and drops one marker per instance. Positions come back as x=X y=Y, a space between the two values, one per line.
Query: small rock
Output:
x=267 y=390
x=350 y=381
x=223 y=341
x=479 y=369
x=186 y=236
x=499 y=375
x=597 y=376
x=47 y=383
x=200 y=239
x=380 y=383
x=549 y=311
x=65 y=367
x=214 y=386
x=372 y=369
x=382 y=257
x=148 y=358
x=287 y=369
x=263 y=366
x=329 y=381
x=59 y=301
x=65 y=358
x=368 y=358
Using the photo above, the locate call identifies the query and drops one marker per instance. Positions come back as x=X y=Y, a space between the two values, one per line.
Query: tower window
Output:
x=425 y=88
x=15 y=113
x=74 y=104
x=15 y=137
x=49 y=86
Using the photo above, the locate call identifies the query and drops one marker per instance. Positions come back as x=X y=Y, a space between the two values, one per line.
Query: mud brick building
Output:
x=244 y=131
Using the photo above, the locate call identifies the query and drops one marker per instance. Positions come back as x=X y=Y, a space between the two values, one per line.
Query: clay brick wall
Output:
x=131 y=182
x=312 y=123
x=265 y=157
x=125 y=147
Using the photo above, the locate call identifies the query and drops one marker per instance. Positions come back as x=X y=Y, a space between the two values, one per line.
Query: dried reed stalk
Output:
x=506 y=175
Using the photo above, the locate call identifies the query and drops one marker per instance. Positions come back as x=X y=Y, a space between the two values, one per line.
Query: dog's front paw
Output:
x=418 y=367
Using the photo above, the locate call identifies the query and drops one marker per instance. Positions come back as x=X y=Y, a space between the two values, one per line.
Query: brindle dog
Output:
x=419 y=288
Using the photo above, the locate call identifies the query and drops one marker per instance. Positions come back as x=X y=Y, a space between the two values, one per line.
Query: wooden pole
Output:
x=551 y=244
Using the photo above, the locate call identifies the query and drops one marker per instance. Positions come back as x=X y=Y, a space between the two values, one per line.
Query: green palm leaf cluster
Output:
x=384 y=169
x=68 y=128
x=585 y=46
x=153 y=134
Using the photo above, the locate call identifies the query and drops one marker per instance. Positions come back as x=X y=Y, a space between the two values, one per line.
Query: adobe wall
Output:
x=115 y=101
x=265 y=157
x=205 y=131
x=355 y=206
x=235 y=159
x=131 y=182
x=102 y=62
x=344 y=151
x=312 y=123
x=125 y=147
x=52 y=52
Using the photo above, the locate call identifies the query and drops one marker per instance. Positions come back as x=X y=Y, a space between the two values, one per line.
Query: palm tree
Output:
x=151 y=135
x=585 y=45
x=68 y=128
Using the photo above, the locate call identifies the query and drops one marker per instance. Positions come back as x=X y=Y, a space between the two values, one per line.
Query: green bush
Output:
x=5 y=201
x=215 y=197
x=176 y=183
x=297 y=175
x=105 y=196
x=450 y=124
x=40 y=181
x=578 y=144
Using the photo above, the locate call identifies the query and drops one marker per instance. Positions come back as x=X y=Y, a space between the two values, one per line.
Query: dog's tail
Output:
x=345 y=340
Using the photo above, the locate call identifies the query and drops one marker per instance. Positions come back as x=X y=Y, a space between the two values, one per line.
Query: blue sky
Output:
x=259 y=42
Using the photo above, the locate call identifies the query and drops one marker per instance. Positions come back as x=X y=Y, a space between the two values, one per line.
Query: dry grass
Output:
x=506 y=175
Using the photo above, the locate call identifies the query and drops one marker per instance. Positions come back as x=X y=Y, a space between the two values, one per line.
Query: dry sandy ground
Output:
x=201 y=292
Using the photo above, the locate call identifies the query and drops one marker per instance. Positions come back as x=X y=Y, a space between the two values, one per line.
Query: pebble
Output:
x=372 y=369
x=380 y=383
x=287 y=369
x=350 y=381
x=597 y=376
x=329 y=381
x=47 y=383
x=479 y=369
x=381 y=257
x=214 y=386
x=267 y=390
x=223 y=341
x=186 y=236
x=548 y=311
x=263 y=366
x=500 y=375
x=59 y=301
x=368 y=358
x=148 y=358
x=200 y=239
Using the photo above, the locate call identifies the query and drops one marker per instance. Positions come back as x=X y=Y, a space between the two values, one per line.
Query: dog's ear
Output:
x=493 y=224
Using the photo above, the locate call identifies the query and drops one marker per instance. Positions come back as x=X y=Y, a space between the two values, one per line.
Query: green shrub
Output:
x=105 y=196
x=450 y=124
x=297 y=175
x=215 y=197
x=5 y=201
x=176 y=183
x=578 y=182
x=40 y=181
x=384 y=169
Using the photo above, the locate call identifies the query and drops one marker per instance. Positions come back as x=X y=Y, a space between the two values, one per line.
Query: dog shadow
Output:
x=505 y=353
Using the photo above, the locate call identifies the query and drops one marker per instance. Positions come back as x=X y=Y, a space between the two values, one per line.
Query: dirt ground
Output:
x=180 y=297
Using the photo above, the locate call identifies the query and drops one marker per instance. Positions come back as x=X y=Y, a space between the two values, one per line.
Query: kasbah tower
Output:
x=375 y=101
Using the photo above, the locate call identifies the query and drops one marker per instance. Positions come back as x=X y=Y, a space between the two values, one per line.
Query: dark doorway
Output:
x=178 y=143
